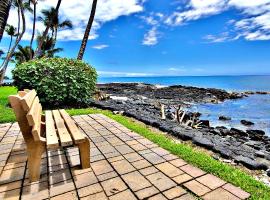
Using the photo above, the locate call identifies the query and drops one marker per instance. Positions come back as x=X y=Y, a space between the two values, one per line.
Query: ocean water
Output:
x=255 y=108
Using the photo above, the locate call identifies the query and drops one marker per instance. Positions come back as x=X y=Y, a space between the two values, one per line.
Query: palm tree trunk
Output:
x=34 y=27
x=87 y=30
x=45 y=33
x=4 y=12
x=19 y=19
x=3 y=70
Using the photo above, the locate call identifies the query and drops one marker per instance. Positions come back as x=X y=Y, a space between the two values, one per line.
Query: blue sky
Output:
x=177 y=37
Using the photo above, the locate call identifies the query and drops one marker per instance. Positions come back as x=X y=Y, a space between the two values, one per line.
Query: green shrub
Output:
x=58 y=81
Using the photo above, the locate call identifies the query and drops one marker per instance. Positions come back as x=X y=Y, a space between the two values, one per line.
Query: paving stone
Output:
x=88 y=190
x=101 y=167
x=174 y=192
x=170 y=157
x=220 y=192
x=160 y=151
x=56 y=168
x=192 y=171
x=123 y=166
x=153 y=158
x=211 y=181
x=132 y=157
x=57 y=160
x=85 y=179
x=113 y=159
x=178 y=162
x=59 y=176
x=68 y=196
x=141 y=164
x=186 y=197
x=147 y=192
x=62 y=187
x=10 y=186
x=113 y=186
x=97 y=196
x=182 y=178
x=96 y=158
x=236 y=191
x=169 y=169
x=124 y=149
x=112 y=154
x=136 y=181
x=138 y=147
x=107 y=176
x=158 y=197
x=197 y=188
x=127 y=195
x=78 y=170
x=148 y=170
x=11 y=175
x=161 y=181
x=10 y=195
x=35 y=191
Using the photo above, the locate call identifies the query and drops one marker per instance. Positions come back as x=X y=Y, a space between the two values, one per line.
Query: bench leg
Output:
x=34 y=162
x=84 y=149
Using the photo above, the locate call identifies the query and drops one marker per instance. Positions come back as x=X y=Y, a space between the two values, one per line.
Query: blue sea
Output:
x=255 y=108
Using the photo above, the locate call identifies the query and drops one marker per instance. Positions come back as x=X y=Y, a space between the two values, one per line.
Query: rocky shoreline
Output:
x=250 y=148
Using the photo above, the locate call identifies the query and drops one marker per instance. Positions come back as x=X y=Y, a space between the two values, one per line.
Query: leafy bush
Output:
x=58 y=81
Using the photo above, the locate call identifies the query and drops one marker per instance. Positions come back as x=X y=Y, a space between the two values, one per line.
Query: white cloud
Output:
x=151 y=37
x=174 y=69
x=255 y=24
x=78 y=12
x=101 y=46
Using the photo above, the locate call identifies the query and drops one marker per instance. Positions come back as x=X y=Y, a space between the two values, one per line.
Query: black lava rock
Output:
x=247 y=123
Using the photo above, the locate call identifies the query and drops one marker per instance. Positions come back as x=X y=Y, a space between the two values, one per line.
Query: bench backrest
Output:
x=28 y=111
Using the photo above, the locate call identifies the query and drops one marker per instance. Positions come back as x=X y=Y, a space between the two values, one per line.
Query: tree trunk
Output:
x=87 y=30
x=3 y=70
x=45 y=33
x=19 y=20
x=34 y=27
x=4 y=12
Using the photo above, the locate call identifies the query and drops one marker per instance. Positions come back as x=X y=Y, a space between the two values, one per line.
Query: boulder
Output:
x=236 y=132
x=204 y=142
x=256 y=134
x=251 y=164
x=247 y=123
x=224 y=118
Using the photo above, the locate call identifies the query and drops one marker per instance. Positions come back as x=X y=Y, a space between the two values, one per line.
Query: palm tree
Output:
x=51 y=18
x=45 y=33
x=12 y=32
x=4 y=12
x=18 y=39
x=87 y=30
x=23 y=54
x=47 y=49
x=26 y=6
x=34 y=2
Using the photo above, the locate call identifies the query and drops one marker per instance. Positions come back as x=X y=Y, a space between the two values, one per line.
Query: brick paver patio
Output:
x=124 y=165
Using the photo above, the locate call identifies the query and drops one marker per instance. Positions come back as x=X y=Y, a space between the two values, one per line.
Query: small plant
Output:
x=58 y=81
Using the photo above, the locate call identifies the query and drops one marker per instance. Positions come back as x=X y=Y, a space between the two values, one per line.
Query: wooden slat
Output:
x=28 y=99
x=36 y=130
x=75 y=133
x=51 y=135
x=33 y=114
x=63 y=133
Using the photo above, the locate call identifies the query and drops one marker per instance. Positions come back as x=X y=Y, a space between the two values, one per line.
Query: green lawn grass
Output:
x=193 y=156
x=6 y=113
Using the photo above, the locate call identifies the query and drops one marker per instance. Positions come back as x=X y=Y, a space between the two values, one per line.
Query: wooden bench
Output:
x=51 y=131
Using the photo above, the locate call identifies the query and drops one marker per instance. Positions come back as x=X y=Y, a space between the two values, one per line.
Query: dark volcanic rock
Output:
x=247 y=123
x=236 y=132
x=224 y=118
x=204 y=142
x=256 y=134
x=251 y=164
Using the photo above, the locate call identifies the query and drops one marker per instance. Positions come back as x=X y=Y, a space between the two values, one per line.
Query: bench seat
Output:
x=54 y=130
